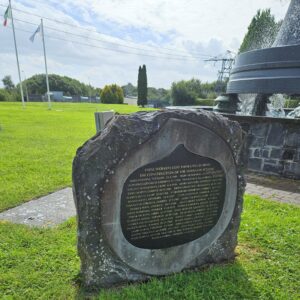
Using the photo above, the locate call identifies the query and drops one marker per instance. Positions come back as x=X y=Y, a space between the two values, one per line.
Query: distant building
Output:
x=84 y=99
x=157 y=103
x=68 y=99
x=35 y=98
x=130 y=100
x=58 y=96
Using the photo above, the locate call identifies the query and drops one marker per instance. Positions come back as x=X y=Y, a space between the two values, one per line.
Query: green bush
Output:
x=112 y=94
x=9 y=96
x=205 y=102
x=291 y=103
x=4 y=95
x=182 y=94
x=212 y=95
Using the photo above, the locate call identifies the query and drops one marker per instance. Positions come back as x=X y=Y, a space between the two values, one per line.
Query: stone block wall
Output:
x=273 y=144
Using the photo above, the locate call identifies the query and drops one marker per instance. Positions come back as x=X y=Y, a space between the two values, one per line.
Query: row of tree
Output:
x=153 y=93
x=182 y=92
x=261 y=33
x=188 y=92
x=10 y=92
x=36 y=85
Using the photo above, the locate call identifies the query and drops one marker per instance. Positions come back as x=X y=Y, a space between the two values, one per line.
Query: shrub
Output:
x=212 y=95
x=181 y=95
x=112 y=94
x=291 y=103
x=4 y=95
x=11 y=96
x=205 y=102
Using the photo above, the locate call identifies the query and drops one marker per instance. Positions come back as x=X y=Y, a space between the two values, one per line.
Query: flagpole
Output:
x=25 y=84
x=47 y=80
x=17 y=56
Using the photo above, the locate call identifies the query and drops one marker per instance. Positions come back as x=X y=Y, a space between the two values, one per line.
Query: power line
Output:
x=109 y=49
x=89 y=30
x=99 y=40
x=227 y=62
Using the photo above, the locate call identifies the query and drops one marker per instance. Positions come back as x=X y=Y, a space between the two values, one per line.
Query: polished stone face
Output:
x=172 y=201
x=146 y=239
x=157 y=193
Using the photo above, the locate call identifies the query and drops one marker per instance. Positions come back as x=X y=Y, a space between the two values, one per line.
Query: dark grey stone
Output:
x=292 y=139
x=281 y=137
x=271 y=168
x=103 y=164
x=275 y=153
x=265 y=153
x=276 y=135
x=289 y=154
x=251 y=152
x=270 y=161
x=259 y=130
x=254 y=164
x=292 y=170
x=297 y=159
x=257 y=152
x=257 y=141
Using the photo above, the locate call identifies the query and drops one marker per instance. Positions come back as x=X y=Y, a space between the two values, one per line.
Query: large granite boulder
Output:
x=157 y=193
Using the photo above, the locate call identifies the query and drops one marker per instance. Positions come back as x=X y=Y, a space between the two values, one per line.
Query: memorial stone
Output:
x=157 y=193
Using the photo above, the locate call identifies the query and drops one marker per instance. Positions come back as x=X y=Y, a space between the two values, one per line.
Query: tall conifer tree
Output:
x=142 y=86
x=145 y=86
x=139 y=86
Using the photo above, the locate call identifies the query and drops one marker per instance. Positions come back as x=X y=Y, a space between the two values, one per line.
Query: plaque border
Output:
x=197 y=139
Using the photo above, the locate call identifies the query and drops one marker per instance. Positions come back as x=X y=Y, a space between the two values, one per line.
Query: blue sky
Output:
x=194 y=29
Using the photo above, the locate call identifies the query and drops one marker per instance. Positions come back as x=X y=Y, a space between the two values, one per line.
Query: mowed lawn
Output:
x=42 y=263
x=36 y=151
x=37 y=146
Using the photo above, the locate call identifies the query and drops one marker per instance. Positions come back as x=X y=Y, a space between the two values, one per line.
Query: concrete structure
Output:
x=101 y=118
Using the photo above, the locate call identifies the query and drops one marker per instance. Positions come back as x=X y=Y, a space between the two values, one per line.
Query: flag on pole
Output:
x=38 y=30
x=7 y=15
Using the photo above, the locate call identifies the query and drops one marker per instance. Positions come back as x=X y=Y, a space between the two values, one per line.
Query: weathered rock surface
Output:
x=96 y=167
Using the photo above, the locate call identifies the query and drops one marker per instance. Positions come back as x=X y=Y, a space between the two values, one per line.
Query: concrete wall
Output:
x=273 y=144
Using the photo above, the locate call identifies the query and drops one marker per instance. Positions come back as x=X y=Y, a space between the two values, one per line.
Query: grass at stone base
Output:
x=42 y=263
x=37 y=146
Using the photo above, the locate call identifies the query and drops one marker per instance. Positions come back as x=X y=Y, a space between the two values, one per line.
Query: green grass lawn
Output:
x=42 y=263
x=38 y=146
x=36 y=151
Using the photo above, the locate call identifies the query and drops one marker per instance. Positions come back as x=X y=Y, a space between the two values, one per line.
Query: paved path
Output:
x=57 y=207
x=46 y=211
x=273 y=194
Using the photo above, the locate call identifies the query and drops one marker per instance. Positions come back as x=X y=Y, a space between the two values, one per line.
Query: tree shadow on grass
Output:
x=225 y=281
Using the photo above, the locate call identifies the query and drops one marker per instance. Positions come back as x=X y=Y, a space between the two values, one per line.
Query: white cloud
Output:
x=191 y=26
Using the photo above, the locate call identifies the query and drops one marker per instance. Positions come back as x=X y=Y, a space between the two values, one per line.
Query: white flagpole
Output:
x=17 y=56
x=47 y=80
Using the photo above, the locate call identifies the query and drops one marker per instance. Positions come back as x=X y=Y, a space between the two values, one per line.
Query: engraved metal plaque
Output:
x=172 y=201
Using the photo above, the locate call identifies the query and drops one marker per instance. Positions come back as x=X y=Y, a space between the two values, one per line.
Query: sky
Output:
x=104 y=41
